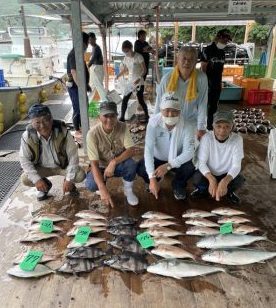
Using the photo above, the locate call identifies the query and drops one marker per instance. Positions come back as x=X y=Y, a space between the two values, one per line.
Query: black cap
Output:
x=224 y=33
x=108 y=108
x=38 y=110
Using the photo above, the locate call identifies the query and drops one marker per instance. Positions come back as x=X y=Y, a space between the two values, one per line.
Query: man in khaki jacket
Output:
x=110 y=148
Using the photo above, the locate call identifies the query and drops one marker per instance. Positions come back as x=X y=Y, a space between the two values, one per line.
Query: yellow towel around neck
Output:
x=191 y=93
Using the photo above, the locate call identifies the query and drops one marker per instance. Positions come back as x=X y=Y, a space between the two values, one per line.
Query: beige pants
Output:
x=46 y=172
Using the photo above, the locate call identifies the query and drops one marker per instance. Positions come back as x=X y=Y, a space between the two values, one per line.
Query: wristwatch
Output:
x=169 y=167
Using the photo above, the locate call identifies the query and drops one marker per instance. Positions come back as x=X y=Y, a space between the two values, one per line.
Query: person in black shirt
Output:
x=96 y=68
x=72 y=85
x=212 y=62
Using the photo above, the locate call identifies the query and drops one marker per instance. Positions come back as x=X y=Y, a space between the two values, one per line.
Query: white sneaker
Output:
x=128 y=192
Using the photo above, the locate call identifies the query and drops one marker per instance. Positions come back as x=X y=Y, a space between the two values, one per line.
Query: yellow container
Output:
x=266 y=83
x=231 y=70
x=248 y=84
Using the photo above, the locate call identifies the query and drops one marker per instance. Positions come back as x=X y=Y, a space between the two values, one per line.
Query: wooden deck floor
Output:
x=249 y=286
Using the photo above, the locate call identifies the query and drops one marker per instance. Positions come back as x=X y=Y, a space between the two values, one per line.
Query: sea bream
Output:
x=166 y=241
x=180 y=269
x=72 y=266
x=36 y=236
x=193 y=213
x=201 y=222
x=53 y=217
x=227 y=211
x=36 y=227
x=237 y=256
x=89 y=222
x=39 y=271
x=163 y=231
x=157 y=215
x=45 y=257
x=148 y=223
x=85 y=253
x=233 y=219
x=90 y=214
x=94 y=229
x=244 y=229
x=228 y=240
x=126 y=243
x=91 y=241
x=201 y=231
x=171 y=252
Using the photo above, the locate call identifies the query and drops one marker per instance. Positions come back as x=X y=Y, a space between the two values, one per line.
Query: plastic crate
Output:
x=266 y=83
x=2 y=79
x=248 y=84
x=230 y=92
x=259 y=97
x=254 y=71
x=231 y=70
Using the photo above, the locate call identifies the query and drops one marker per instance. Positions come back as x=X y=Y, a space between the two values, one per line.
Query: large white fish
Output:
x=193 y=213
x=163 y=231
x=228 y=240
x=179 y=269
x=90 y=214
x=201 y=222
x=157 y=215
x=244 y=229
x=40 y=270
x=166 y=241
x=53 y=217
x=227 y=211
x=202 y=231
x=237 y=256
x=91 y=241
x=36 y=227
x=89 y=222
x=45 y=258
x=95 y=229
x=148 y=223
x=35 y=236
x=233 y=219
x=172 y=252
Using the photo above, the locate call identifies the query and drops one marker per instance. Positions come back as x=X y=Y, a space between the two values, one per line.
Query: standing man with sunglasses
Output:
x=48 y=149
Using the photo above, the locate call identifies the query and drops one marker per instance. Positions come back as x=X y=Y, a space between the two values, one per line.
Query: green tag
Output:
x=226 y=228
x=145 y=240
x=82 y=234
x=30 y=261
x=46 y=226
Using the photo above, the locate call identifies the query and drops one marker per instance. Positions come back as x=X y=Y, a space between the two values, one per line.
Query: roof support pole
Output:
x=175 y=45
x=78 y=47
x=103 y=34
x=157 y=44
x=193 y=32
x=271 y=53
x=248 y=28
x=27 y=44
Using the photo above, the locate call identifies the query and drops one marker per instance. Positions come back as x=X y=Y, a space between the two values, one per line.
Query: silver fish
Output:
x=157 y=215
x=39 y=271
x=233 y=219
x=147 y=223
x=74 y=230
x=122 y=230
x=227 y=211
x=72 y=266
x=244 y=229
x=197 y=213
x=179 y=269
x=91 y=241
x=163 y=231
x=126 y=243
x=128 y=262
x=35 y=236
x=45 y=258
x=89 y=222
x=85 y=253
x=166 y=241
x=36 y=227
x=172 y=252
x=90 y=214
x=201 y=231
x=237 y=256
x=228 y=240
x=121 y=220
x=201 y=222
x=53 y=217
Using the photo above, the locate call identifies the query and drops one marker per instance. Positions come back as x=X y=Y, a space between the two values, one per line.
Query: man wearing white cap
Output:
x=169 y=145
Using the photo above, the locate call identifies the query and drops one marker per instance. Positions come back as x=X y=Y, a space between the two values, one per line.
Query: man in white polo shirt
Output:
x=219 y=158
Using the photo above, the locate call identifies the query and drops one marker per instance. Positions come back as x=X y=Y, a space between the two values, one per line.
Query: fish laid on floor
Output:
x=39 y=271
x=233 y=219
x=228 y=240
x=126 y=243
x=128 y=262
x=148 y=223
x=237 y=256
x=94 y=229
x=89 y=222
x=163 y=231
x=244 y=229
x=35 y=236
x=157 y=215
x=90 y=214
x=166 y=241
x=193 y=213
x=201 y=222
x=53 y=217
x=122 y=230
x=91 y=241
x=180 y=269
x=72 y=266
x=172 y=252
x=85 y=253
x=36 y=227
x=227 y=211
x=45 y=258
x=201 y=231
x=121 y=220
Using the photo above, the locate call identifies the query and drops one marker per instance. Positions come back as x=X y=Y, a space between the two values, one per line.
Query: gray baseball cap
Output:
x=108 y=108
x=223 y=116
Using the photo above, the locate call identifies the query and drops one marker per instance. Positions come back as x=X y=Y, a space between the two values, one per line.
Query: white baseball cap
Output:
x=169 y=100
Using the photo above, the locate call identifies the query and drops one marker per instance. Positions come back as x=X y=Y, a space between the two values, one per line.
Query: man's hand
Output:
x=109 y=170
x=41 y=186
x=200 y=133
x=213 y=186
x=105 y=197
x=67 y=186
x=154 y=187
x=161 y=170
x=223 y=187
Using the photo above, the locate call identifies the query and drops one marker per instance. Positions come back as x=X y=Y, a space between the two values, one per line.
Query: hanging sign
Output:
x=239 y=7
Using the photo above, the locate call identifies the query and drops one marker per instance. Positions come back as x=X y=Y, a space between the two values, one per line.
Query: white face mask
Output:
x=220 y=45
x=171 y=121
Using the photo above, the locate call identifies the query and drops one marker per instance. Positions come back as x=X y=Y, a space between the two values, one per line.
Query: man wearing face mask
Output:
x=212 y=62
x=169 y=145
